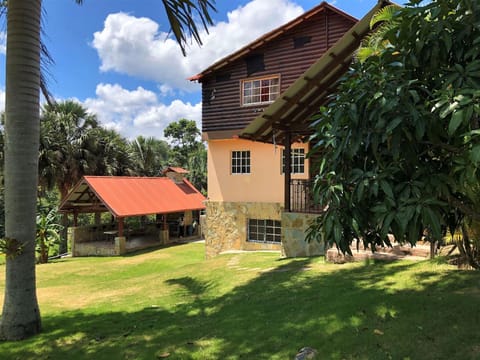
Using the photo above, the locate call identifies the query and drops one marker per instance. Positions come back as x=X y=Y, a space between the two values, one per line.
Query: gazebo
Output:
x=173 y=200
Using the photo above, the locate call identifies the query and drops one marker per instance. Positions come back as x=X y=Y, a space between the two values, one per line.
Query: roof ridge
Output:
x=269 y=36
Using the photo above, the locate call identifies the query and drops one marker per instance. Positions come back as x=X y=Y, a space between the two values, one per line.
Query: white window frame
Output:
x=265 y=231
x=240 y=162
x=297 y=165
x=261 y=90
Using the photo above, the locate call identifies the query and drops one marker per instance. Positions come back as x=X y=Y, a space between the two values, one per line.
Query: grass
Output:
x=172 y=303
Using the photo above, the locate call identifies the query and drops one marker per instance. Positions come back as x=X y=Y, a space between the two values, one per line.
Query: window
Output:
x=222 y=77
x=298 y=161
x=265 y=231
x=260 y=91
x=254 y=64
x=240 y=162
x=301 y=41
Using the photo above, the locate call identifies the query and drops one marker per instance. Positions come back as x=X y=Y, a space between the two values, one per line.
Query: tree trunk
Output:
x=432 y=249
x=63 y=246
x=467 y=249
x=21 y=314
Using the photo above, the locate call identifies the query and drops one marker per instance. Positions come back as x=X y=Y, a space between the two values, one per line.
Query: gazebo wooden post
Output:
x=120 y=227
x=165 y=226
x=75 y=218
x=120 y=245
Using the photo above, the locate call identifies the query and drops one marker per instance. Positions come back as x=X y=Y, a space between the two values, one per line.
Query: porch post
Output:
x=120 y=246
x=120 y=227
x=288 y=167
x=75 y=218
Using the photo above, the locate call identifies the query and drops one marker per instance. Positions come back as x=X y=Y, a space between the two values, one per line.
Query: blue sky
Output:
x=116 y=58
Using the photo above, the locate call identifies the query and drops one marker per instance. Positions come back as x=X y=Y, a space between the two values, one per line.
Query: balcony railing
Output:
x=301 y=197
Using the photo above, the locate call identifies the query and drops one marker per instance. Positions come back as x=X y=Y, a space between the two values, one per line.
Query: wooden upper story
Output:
x=238 y=87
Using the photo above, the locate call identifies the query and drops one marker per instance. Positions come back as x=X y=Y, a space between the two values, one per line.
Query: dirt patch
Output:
x=397 y=251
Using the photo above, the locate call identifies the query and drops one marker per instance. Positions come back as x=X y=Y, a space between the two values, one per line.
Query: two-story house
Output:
x=256 y=103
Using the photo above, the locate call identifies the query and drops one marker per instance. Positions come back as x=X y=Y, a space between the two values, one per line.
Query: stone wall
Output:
x=294 y=227
x=226 y=225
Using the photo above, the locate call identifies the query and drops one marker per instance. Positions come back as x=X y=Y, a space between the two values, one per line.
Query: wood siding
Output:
x=222 y=109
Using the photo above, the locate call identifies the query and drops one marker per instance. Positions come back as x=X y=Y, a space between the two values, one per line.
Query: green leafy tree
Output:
x=184 y=136
x=197 y=167
x=188 y=151
x=400 y=139
x=20 y=314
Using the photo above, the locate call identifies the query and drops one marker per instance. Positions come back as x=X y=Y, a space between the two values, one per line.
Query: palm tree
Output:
x=67 y=150
x=111 y=153
x=21 y=315
x=150 y=155
x=66 y=145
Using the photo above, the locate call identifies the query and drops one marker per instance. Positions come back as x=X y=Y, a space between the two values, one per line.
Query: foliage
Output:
x=188 y=151
x=20 y=315
x=183 y=16
x=11 y=248
x=183 y=136
x=48 y=233
x=383 y=21
x=197 y=166
x=400 y=139
x=149 y=155
x=65 y=145
x=112 y=154
x=172 y=300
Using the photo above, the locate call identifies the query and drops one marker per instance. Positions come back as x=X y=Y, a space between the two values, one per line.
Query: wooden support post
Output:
x=288 y=167
x=120 y=227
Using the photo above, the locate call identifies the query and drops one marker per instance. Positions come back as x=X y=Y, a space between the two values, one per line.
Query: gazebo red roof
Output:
x=132 y=196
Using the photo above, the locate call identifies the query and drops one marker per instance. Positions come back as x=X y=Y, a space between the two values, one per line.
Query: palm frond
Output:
x=182 y=16
x=382 y=23
x=385 y=14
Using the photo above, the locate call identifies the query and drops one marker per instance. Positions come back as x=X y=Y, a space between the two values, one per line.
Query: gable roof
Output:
x=177 y=170
x=250 y=48
x=132 y=196
x=294 y=107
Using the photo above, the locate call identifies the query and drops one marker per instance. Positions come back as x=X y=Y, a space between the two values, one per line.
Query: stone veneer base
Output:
x=226 y=229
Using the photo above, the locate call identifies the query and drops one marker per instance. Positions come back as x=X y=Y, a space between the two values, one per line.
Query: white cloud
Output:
x=136 y=46
x=139 y=47
x=3 y=42
x=2 y=100
x=138 y=112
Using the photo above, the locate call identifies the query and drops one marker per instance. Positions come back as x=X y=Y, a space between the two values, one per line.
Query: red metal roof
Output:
x=177 y=170
x=268 y=37
x=133 y=196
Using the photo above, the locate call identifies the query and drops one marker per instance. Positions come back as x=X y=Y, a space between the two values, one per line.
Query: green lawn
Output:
x=172 y=303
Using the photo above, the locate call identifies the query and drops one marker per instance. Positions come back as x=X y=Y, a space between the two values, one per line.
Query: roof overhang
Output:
x=261 y=41
x=292 y=110
x=132 y=196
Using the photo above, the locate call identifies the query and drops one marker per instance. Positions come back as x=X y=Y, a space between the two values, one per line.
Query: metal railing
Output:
x=301 y=197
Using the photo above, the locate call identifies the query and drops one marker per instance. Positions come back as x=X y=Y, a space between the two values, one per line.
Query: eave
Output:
x=292 y=110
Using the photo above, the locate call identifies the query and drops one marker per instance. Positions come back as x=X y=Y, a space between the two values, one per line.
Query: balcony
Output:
x=301 y=197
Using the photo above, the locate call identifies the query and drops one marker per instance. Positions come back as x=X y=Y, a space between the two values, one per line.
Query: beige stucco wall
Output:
x=264 y=184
